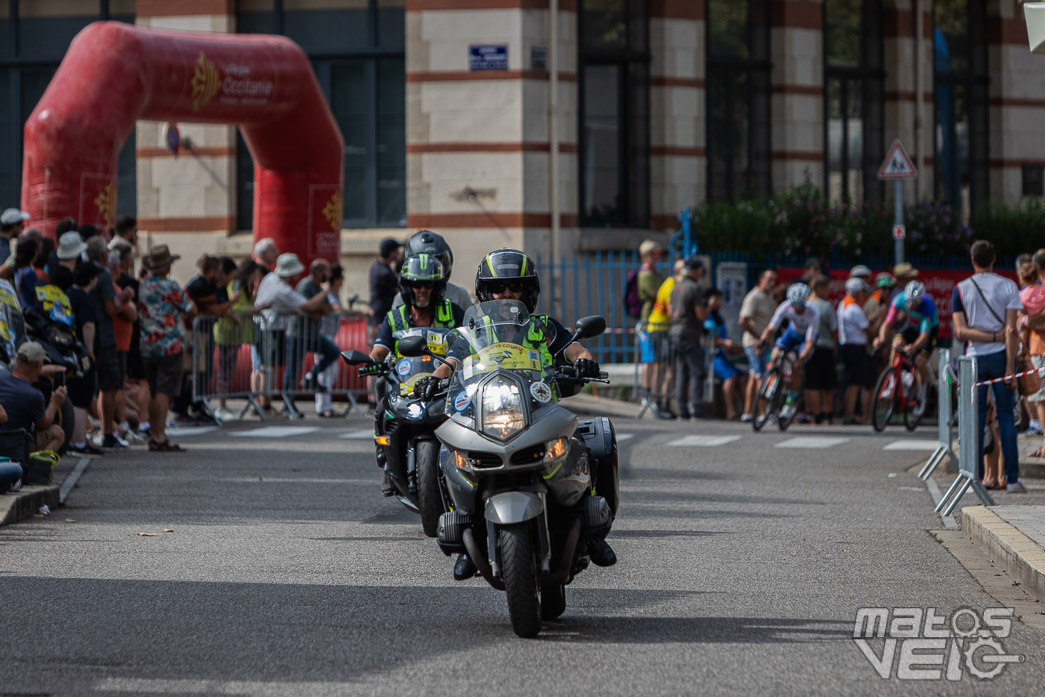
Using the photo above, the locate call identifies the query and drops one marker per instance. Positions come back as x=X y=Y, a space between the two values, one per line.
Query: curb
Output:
x=1021 y=557
x=26 y=502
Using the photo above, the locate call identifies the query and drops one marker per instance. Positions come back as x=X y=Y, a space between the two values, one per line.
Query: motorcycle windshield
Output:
x=409 y=370
x=499 y=335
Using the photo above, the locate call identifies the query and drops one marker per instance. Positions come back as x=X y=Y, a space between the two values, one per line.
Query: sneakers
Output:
x=132 y=438
x=223 y=414
x=746 y=418
x=1016 y=487
x=1032 y=430
x=86 y=449
x=113 y=441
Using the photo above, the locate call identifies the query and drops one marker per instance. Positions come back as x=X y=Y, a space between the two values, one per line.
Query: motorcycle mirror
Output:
x=590 y=326
x=355 y=357
x=412 y=346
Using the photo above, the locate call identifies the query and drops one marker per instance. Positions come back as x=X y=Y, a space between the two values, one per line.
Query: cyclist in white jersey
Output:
x=802 y=323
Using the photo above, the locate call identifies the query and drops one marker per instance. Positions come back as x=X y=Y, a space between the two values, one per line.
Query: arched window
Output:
x=614 y=112
x=738 y=98
x=853 y=99
x=961 y=80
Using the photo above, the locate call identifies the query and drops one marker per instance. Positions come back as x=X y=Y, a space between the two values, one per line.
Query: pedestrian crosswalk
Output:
x=702 y=441
x=912 y=444
x=275 y=432
x=364 y=434
x=814 y=442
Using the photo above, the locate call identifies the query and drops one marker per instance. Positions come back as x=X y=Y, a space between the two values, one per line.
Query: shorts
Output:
x=661 y=347
x=857 y=364
x=134 y=368
x=910 y=335
x=646 y=354
x=1038 y=361
x=724 y=370
x=164 y=374
x=821 y=372
x=84 y=389
x=110 y=374
x=756 y=362
x=790 y=340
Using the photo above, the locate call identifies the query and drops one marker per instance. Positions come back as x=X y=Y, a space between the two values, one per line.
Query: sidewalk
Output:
x=1013 y=535
x=26 y=502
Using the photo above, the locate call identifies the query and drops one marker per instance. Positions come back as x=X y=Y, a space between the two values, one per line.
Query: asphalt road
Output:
x=742 y=567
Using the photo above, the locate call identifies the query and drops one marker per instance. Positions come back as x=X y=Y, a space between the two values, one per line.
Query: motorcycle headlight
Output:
x=502 y=410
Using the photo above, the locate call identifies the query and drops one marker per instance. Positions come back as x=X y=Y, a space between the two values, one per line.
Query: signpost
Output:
x=897 y=167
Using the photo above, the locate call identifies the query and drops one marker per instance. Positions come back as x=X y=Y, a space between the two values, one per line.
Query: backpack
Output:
x=632 y=302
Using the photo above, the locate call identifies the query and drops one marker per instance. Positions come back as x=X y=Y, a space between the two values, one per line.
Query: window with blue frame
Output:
x=356 y=48
x=34 y=37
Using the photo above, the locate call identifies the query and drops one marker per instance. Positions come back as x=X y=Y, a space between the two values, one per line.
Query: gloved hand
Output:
x=427 y=387
x=586 y=368
x=372 y=369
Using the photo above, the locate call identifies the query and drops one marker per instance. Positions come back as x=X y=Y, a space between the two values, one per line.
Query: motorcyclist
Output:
x=509 y=274
x=422 y=285
x=433 y=244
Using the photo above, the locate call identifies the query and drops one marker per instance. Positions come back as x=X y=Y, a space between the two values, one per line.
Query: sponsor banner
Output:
x=230 y=83
x=97 y=200
x=324 y=221
x=939 y=284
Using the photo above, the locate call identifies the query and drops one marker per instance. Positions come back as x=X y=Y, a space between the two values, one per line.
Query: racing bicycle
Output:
x=772 y=394
x=896 y=391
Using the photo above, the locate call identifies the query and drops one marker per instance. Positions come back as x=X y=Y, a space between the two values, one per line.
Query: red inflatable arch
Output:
x=115 y=74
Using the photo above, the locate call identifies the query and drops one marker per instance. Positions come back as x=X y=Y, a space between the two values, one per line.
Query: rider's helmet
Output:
x=914 y=292
x=798 y=294
x=511 y=267
x=432 y=244
x=422 y=270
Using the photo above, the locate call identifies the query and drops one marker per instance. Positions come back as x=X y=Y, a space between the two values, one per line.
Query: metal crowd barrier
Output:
x=968 y=453
x=664 y=372
x=228 y=356
x=944 y=428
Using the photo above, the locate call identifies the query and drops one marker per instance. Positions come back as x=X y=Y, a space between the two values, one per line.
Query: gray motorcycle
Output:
x=531 y=487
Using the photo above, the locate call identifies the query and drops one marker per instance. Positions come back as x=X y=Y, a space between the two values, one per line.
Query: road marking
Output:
x=703 y=441
x=624 y=436
x=912 y=444
x=73 y=477
x=182 y=432
x=365 y=434
x=276 y=431
x=812 y=442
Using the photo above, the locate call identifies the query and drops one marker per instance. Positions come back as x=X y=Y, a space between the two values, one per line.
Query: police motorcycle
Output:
x=409 y=443
x=530 y=486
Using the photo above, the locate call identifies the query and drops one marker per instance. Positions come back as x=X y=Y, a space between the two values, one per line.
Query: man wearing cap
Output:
x=383 y=285
x=689 y=310
x=649 y=281
x=162 y=307
x=12 y=222
x=24 y=403
x=277 y=292
x=852 y=340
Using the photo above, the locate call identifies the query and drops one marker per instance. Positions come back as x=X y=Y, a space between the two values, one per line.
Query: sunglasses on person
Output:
x=499 y=287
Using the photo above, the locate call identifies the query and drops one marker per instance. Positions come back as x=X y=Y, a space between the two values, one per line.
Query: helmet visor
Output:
x=423 y=269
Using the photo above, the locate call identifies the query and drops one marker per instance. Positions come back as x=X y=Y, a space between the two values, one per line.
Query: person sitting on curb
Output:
x=24 y=404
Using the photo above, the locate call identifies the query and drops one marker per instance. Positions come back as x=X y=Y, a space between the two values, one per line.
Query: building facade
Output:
x=565 y=126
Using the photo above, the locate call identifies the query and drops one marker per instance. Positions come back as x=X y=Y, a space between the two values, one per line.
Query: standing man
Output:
x=659 y=324
x=12 y=222
x=822 y=369
x=648 y=283
x=984 y=308
x=266 y=253
x=852 y=338
x=755 y=313
x=108 y=304
x=688 y=312
x=310 y=337
x=383 y=285
x=162 y=307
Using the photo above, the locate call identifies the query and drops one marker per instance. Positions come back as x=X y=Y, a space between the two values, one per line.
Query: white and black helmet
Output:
x=914 y=292
x=798 y=294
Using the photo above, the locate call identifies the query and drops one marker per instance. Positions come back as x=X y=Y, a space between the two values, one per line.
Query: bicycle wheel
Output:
x=913 y=411
x=884 y=399
x=765 y=401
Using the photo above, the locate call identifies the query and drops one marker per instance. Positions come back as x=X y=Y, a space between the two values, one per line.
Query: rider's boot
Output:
x=600 y=553
x=465 y=568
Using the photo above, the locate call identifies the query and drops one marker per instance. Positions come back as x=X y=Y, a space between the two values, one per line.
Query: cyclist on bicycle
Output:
x=802 y=323
x=915 y=324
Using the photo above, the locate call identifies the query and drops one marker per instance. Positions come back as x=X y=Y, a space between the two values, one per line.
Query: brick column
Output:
x=678 y=127
x=796 y=48
x=1017 y=105
x=187 y=202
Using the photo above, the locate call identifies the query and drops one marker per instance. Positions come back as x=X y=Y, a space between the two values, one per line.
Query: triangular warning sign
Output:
x=897 y=164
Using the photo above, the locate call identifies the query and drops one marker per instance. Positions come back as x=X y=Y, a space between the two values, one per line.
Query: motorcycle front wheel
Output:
x=521 y=579
x=429 y=497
